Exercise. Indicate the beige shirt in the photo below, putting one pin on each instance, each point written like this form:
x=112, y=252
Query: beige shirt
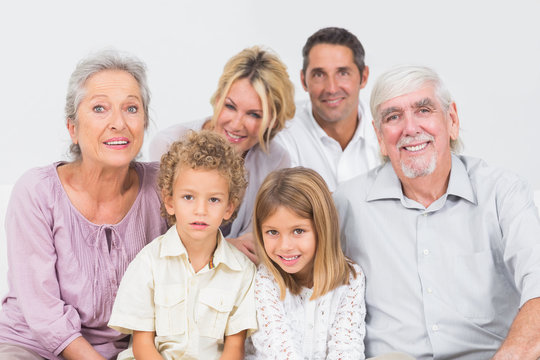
x=190, y=312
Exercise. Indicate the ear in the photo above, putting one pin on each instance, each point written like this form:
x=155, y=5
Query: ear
x=365, y=76
x=72, y=129
x=168, y=202
x=303, y=80
x=453, y=122
x=380, y=139
x=229, y=211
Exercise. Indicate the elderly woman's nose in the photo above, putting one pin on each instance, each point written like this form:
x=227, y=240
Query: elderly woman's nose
x=117, y=120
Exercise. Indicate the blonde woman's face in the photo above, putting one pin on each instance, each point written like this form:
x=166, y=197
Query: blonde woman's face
x=241, y=117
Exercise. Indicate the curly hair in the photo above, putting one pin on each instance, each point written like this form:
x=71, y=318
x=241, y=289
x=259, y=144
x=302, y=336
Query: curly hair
x=205, y=150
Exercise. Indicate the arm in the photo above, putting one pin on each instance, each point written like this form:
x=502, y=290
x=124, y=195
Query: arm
x=234, y=346
x=274, y=339
x=348, y=329
x=246, y=244
x=81, y=349
x=523, y=340
x=144, y=347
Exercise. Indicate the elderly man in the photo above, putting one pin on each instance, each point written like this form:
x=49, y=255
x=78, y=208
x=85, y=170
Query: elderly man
x=449, y=245
x=332, y=133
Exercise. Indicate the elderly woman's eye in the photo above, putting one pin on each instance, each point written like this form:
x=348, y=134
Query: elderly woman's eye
x=132, y=109
x=99, y=108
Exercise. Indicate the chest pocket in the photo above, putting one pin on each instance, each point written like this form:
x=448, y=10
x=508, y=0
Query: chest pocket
x=214, y=308
x=170, y=309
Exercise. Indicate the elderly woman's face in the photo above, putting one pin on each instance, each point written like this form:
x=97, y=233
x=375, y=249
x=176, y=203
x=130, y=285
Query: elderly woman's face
x=241, y=116
x=110, y=127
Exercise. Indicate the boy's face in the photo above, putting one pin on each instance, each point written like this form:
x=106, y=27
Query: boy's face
x=200, y=202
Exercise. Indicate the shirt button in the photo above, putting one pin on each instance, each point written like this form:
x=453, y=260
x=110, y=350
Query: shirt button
x=435, y=328
x=429, y=290
x=426, y=252
x=425, y=214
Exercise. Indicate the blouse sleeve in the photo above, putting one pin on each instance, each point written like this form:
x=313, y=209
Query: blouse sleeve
x=348, y=330
x=32, y=263
x=273, y=340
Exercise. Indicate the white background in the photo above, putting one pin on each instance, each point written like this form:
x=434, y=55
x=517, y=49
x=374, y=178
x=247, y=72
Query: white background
x=488, y=52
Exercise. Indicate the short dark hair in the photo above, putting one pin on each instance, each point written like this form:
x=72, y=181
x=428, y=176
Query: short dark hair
x=335, y=36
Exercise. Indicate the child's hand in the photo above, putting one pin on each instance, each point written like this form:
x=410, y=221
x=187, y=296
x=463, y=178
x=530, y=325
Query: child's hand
x=246, y=244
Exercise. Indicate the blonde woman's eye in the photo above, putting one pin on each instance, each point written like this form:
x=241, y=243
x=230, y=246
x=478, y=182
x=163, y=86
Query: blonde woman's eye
x=255, y=115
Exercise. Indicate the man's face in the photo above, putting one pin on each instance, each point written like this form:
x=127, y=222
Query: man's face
x=415, y=133
x=333, y=82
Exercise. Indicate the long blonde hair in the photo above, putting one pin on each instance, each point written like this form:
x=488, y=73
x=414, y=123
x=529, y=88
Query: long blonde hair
x=304, y=192
x=270, y=80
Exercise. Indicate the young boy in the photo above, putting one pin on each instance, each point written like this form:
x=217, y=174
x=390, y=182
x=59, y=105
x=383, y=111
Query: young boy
x=189, y=294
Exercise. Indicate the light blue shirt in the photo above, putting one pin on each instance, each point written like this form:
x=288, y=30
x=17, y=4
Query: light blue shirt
x=444, y=282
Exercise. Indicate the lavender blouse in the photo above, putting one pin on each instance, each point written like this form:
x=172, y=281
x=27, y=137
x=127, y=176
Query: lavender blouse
x=64, y=270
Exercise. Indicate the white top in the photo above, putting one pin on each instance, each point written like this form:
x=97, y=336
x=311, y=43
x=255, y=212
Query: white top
x=190, y=312
x=329, y=327
x=308, y=145
x=258, y=164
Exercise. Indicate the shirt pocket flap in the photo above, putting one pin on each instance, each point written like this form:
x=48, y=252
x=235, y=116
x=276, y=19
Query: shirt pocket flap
x=169, y=295
x=218, y=299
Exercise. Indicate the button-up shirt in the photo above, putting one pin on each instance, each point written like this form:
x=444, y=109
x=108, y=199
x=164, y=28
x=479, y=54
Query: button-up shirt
x=308, y=145
x=446, y=281
x=189, y=312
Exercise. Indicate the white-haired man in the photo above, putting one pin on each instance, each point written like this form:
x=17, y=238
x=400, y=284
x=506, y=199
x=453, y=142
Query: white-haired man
x=449, y=245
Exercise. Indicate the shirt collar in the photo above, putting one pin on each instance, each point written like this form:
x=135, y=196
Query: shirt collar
x=173, y=246
x=388, y=186
x=359, y=133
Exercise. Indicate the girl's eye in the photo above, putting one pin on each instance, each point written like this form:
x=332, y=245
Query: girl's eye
x=99, y=109
x=214, y=200
x=132, y=109
x=272, y=232
x=298, y=231
x=188, y=197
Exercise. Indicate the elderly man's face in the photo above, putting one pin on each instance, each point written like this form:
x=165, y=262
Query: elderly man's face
x=415, y=133
x=333, y=82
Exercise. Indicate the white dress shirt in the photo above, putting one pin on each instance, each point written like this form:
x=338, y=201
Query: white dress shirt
x=309, y=146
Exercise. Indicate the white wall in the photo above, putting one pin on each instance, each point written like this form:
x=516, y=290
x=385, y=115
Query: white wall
x=488, y=53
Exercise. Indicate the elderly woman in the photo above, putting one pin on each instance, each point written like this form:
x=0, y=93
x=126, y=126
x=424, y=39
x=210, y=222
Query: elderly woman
x=253, y=100
x=73, y=227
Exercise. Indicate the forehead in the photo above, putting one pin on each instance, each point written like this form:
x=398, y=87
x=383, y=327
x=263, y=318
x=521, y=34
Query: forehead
x=329, y=56
x=107, y=80
x=424, y=95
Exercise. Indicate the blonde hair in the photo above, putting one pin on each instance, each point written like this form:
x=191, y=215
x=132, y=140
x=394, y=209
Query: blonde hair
x=203, y=150
x=270, y=80
x=304, y=192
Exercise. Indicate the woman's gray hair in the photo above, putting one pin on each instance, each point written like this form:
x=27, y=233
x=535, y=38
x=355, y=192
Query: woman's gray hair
x=405, y=79
x=93, y=64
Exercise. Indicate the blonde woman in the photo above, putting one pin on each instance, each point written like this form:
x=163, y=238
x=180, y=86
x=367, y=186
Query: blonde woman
x=253, y=100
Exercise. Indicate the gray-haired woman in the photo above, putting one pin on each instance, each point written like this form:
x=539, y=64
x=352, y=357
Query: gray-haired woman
x=73, y=227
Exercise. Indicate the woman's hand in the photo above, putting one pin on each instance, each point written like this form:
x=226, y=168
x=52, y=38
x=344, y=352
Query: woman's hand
x=246, y=244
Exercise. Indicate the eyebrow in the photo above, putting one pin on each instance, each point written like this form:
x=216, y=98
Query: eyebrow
x=424, y=102
x=390, y=110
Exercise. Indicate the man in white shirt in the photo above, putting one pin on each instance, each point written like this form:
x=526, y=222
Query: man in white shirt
x=450, y=246
x=332, y=133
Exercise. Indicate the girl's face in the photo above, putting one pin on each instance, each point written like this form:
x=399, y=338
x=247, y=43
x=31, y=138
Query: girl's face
x=290, y=241
x=241, y=117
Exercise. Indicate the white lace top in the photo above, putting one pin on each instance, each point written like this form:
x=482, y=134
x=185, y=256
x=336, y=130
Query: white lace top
x=329, y=327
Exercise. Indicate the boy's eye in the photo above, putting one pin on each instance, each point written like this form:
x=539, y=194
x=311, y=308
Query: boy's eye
x=188, y=197
x=298, y=231
x=99, y=109
x=214, y=200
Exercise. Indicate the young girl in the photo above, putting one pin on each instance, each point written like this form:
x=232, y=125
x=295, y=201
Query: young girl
x=189, y=293
x=309, y=297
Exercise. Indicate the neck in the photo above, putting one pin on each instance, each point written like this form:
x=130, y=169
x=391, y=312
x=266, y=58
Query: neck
x=101, y=182
x=426, y=189
x=342, y=131
x=199, y=251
